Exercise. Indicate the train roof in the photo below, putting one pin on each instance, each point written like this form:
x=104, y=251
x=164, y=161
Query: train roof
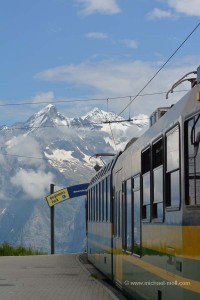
x=181, y=110
x=105, y=170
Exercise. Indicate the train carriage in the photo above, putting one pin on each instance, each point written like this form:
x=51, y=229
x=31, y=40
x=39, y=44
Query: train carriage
x=152, y=237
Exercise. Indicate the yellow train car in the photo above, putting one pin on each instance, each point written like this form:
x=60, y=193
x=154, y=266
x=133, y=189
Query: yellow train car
x=143, y=223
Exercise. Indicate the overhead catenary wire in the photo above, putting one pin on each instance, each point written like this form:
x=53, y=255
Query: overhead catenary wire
x=162, y=67
x=87, y=100
x=67, y=125
x=113, y=137
x=99, y=99
x=4, y=127
x=109, y=98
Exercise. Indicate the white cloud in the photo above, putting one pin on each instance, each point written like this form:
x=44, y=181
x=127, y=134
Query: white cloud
x=44, y=97
x=34, y=183
x=130, y=43
x=157, y=13
x=190, y=8
x=113, y=78
x=89, y=7
x=96, y=35
x=26, y=146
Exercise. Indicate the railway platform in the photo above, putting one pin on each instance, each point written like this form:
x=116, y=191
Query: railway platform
x=52, y=277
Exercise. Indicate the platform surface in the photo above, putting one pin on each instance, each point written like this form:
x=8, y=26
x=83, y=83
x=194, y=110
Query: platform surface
x=50, y=277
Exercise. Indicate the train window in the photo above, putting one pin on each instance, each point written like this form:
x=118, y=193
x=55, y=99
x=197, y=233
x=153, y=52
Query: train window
x=172, y=170
x=173, y=149
x=157, y=158
x=120, y=214
x=146, y=197
x=129, y=215
x=157, y=151
x=136, y=216
x=108, y=198
x=93, y=204
x=95, y=197
x=115, y=213
x=146, y=161
x=105, y=199
x=97, y=202
x=100, y=201
x=193, y=161
x=136, y=182
x=117, y=218
x=123, y=216
x=158, y=193
x=146, y=164
x=89, y=205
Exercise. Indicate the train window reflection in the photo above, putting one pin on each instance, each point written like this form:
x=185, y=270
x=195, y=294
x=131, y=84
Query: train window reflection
x=108, y=198
x=175, y=189
x=158, y=159
x=105, y=199
x=115, y=214
x=173, y=149
x=93, y=203
x=136, y=182
x=146, y=196
x=158, y=193
x=173, y=168
x=158, y=185
x=128, y=216
x=136, y=221
x=97, y=202
x=146, y=163
x=146, y=188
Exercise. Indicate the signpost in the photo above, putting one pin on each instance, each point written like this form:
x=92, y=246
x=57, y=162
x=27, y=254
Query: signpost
x=60, y=196
x=67, y=193
x=52, y=221
x=57, y=197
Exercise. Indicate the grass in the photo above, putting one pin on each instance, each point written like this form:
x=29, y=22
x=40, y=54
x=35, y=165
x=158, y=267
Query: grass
x=8, y=250
x=93, y=276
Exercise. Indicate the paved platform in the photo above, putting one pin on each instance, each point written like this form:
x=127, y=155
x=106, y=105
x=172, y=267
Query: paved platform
x=51, y=277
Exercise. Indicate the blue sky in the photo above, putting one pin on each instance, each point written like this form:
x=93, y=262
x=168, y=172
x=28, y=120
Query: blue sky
x=64, y=50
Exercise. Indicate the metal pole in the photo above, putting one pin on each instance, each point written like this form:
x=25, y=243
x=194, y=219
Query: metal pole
x=52, y=221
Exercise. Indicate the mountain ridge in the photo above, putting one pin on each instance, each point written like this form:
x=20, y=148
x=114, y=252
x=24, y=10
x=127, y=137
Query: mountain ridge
x=51, y=148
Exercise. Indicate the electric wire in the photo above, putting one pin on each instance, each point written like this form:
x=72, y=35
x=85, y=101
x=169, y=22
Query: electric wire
x=113, y=136
x=87, y=100
x=162, y=67
x=3, y=127
x=86, y=124
x=100, y=99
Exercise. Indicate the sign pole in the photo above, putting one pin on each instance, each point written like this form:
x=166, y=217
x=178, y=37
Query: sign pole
x=52, y=221
x=60, y=196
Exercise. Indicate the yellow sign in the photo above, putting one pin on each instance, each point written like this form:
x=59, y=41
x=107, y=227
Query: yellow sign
x=57, y=197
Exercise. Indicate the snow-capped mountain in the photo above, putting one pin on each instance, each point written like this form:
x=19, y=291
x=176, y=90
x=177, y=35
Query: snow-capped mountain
x=51, y=148
x=97, y=115
x=47, y=116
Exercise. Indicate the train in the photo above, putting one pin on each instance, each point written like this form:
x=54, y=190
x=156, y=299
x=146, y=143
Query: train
x=143, y=207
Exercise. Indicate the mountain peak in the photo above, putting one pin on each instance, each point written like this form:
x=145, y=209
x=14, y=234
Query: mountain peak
x=50, y=110
x=47, y=116
x=98, y=115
